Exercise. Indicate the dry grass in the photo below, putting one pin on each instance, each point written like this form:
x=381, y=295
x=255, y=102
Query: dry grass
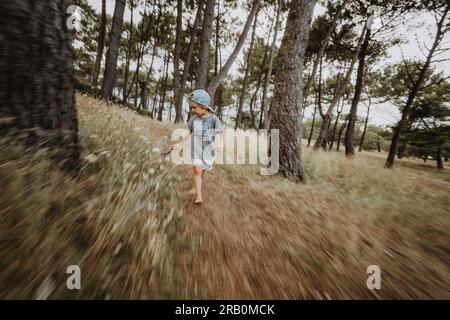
x=116, y=221
x=128, y=222
x=269, y=238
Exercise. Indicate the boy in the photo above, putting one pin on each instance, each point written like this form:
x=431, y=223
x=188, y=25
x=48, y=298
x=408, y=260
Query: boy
x=203, y=127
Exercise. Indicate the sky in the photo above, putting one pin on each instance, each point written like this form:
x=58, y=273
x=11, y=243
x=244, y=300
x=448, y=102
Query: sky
x=415, y=32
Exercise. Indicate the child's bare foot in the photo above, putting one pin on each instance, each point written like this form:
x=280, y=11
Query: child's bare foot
x=192, y=192
x=198, y=200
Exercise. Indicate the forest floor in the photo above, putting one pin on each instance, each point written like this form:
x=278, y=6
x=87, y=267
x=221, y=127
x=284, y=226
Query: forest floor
x=131, y=226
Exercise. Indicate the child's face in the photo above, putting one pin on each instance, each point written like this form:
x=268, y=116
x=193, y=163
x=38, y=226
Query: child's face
x=197, y=109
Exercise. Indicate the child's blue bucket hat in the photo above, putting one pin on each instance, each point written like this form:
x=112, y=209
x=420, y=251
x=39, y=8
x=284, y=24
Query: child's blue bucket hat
x=202, y=97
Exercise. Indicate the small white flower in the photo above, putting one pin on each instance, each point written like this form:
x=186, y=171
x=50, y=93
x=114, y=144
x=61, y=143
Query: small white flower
x=156, y=150
x=91, y=158
x=116, y=252
x=151, y=171
x=128, y=165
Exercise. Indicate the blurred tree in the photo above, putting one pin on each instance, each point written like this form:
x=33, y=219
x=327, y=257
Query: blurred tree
x=128, y=51
x=343, y=84
x=221, y=75
x=248, y=68
x=207, y=28
x=187, y=64
x=268, y=75
x=109, y=76
x=36, y=76
x=441, y=9
x=100, y=45
x=430, y=122
x=85, y=41
x=320, y=43
x=371, y=51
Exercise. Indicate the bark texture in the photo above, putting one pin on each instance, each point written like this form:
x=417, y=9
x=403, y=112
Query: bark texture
x=36, y=77
x=288, y=95
x=100, y=46
x=109, y=76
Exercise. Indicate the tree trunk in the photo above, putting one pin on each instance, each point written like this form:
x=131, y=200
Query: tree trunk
x=252, y=110
x=366, y=122
x=269, y=70
x=100, y=46
x=339, y=92
x=207, y=27
x=214, y=84
x=325, y=140
x=170, y=112
x=261, y=74
x=128, y=57
x=288, y=94
x=142, y=42
x=414, y=90
x=155, y=44
x=155, y=96
x=439, y=162
x=142, y=96
x=109, y=76
x=350, y=133
x=164, y=87
x=246, y=75
x=187, y=66
x=150, y=68
x=217, y=99
x=220, y=102
x=217, y=45
x=341, y=131
x=145, y=30
x=312, y=126
x=319, y=95
x=220, y=88
x=333, y=134
x=177, y=52
x=36, y=76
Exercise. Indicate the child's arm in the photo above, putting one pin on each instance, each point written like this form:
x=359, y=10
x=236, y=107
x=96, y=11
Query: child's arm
x=180, y=141
x=219, y=134
x=219, y=143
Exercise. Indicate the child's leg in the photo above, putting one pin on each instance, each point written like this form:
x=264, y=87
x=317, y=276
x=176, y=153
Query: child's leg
x=198, y=177
x=193, y=191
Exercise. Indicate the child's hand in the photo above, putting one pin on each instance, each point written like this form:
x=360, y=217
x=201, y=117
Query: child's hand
x=176, y=146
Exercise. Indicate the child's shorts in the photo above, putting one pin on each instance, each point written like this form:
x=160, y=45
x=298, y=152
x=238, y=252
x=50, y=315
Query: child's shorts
x=202, y=164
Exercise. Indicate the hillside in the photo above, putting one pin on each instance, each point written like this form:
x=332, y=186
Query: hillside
x=131, y=226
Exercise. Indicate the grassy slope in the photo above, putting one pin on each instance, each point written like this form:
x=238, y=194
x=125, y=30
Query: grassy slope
x=131, y=227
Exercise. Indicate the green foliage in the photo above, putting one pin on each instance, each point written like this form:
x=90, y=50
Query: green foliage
x=430, y=121
x=373, y=141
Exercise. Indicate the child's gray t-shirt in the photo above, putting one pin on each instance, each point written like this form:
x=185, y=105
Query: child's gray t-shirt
x=204, y=130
